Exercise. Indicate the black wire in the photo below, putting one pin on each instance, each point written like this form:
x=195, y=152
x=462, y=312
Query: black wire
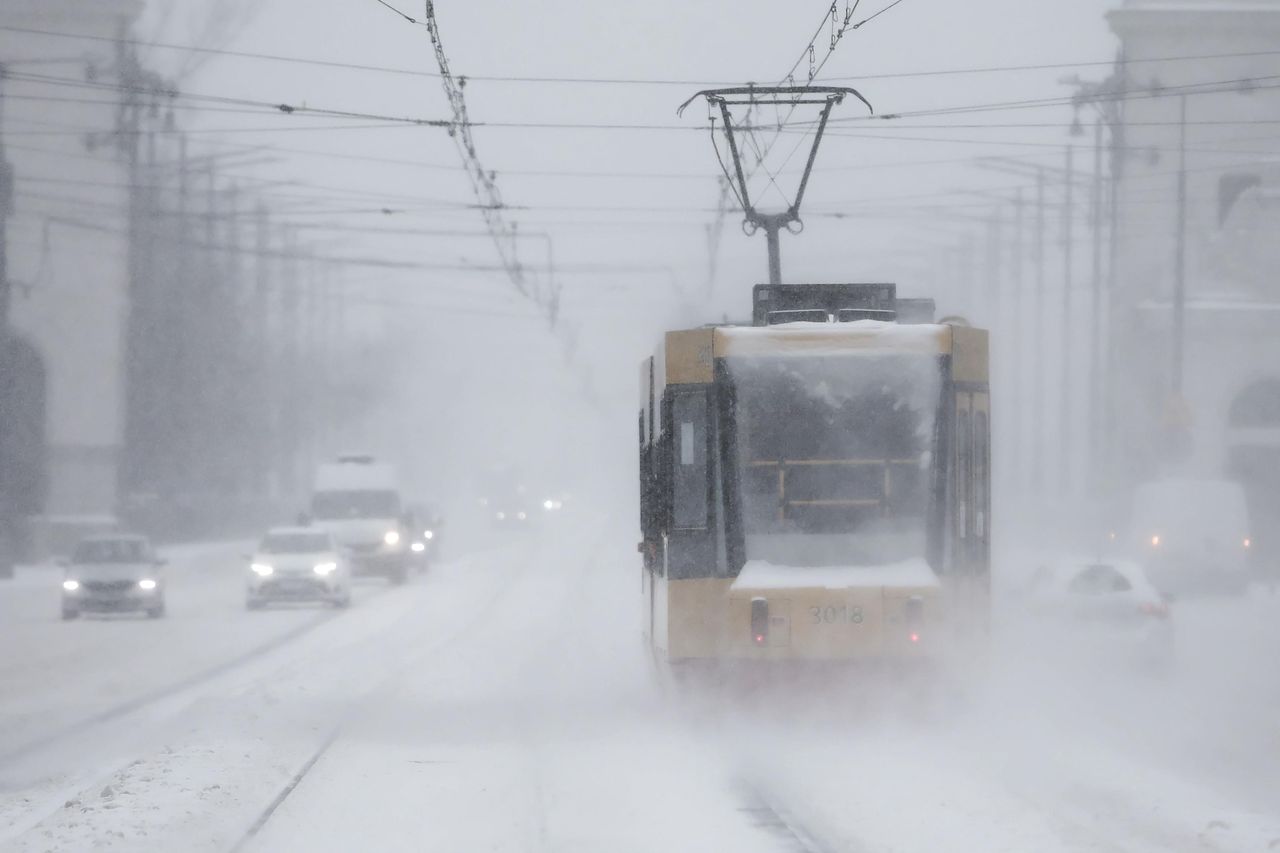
x=397, y=11
x=383, y=69
x=877, y=14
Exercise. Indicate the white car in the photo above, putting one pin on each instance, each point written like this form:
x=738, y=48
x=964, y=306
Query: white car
x=297, y=564
x=113, y=574
x=1103, y=613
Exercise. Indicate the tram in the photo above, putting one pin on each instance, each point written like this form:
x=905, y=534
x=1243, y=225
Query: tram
x=815, y=486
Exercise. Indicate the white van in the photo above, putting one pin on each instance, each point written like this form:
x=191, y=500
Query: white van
x=1192, y=535
x=356, y=499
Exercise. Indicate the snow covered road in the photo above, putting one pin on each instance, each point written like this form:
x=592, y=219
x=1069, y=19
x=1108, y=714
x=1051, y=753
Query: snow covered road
x=503, y=702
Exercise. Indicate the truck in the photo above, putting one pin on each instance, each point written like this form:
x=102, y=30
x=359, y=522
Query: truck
x=357, y=500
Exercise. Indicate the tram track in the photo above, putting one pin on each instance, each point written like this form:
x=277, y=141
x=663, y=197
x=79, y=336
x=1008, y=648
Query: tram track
x=770, y=815
x=161, y=694
x=265, y=816
x=152, y=702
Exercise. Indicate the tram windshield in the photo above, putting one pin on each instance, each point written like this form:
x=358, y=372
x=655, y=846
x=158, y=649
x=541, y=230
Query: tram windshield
x=834, y=457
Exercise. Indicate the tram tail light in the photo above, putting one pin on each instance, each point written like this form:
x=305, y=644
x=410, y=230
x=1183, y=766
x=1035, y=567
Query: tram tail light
x=760, y=621
x=914, y=617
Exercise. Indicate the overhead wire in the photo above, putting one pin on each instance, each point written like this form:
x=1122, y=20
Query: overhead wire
x=616, y=81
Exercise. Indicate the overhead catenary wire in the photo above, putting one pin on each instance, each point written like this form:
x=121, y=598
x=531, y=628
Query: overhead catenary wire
x=619, y=81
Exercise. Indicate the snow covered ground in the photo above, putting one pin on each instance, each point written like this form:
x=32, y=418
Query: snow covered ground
x=503, y=702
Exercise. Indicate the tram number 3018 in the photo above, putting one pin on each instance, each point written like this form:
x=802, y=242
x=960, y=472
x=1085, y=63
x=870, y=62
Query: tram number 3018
x=832, y=615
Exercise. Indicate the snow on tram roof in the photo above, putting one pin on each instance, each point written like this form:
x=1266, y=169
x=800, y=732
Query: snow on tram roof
x=816, y=338
x=762, y=575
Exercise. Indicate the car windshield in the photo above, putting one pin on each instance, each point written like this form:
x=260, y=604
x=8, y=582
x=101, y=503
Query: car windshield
x=834, y=457
x=111, y=551
x=294, y=543
x=355, y=504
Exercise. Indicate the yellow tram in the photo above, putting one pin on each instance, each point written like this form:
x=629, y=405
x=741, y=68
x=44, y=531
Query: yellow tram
x=816, y=486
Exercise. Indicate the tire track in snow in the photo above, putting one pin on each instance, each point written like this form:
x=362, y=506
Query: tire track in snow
x=770, y=815
x=155, y=697
x=482, y=615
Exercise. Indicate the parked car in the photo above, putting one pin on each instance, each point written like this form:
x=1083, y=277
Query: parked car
x=1103, y=613
x=298, y=564
x=117, y=573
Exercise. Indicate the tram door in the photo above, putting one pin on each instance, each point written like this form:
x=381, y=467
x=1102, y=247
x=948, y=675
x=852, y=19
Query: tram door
x=972, y=504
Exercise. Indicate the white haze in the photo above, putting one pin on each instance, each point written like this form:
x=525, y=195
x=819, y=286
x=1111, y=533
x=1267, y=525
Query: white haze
x=504, y=700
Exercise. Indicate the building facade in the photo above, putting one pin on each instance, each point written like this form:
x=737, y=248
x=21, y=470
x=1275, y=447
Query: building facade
x=1201, y=83
x=67, y=264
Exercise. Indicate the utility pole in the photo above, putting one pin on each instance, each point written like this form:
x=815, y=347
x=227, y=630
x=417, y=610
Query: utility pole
x=260, y=402
x=8, y=508
x=1038, y=376
x=6, y=205
x=1180, y=256
x=1068, y=256
x=1017, y=332
x=1095, y=306
x=991, y=290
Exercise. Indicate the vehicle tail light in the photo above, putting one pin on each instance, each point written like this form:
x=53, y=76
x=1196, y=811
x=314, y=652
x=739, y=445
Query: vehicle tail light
x=914, y=614
x=1158, y=609
x=760, y=621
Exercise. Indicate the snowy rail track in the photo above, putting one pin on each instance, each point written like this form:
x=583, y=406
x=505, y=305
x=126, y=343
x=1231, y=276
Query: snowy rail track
x=157, y=697
x=770, y=815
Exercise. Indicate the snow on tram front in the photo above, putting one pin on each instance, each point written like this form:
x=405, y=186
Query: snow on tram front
x=816, y=486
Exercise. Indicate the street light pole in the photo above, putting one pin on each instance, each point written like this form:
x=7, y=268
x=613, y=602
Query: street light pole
x=1068, y=274
x=1180, y=256
x=1038, y=377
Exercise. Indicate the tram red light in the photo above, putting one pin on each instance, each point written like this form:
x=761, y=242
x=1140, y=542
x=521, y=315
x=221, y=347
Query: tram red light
x=759, y=620
x=915, y=638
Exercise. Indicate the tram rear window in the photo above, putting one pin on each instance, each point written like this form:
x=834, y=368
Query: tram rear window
x=834, y=456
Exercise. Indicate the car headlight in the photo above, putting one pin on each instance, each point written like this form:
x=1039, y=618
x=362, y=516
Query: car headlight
x=392, y=537
x=417, y=547
x=502, y=516
x=146, y=584
x=70, y=585
x=261, y=569
x=325, y=568
x=521, y=515
x=428, y=534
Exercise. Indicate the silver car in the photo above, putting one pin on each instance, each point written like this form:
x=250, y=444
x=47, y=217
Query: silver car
x=112, y=574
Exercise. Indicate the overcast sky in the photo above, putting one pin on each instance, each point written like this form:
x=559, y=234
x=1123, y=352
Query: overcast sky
x=654, y=214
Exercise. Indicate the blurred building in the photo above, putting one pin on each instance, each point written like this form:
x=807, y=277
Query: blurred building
x=1202, y=81
x=61, y=398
